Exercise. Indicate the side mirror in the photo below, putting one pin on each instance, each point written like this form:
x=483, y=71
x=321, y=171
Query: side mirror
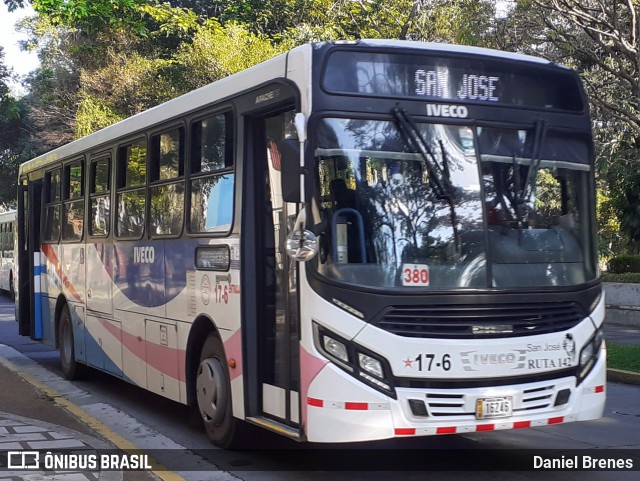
x=290, y=164
x=302, y=245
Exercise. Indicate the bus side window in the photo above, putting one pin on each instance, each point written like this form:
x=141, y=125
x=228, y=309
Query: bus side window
x=73, y=206
x=100, y=198
x=166, y=176
x=51, y=199
x=131, y=197
x=211, y=189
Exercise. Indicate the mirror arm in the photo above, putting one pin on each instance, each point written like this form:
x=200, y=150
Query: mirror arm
x=301, y=128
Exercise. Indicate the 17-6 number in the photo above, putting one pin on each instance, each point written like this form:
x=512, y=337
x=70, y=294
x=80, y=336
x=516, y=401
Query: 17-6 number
x=426, y=362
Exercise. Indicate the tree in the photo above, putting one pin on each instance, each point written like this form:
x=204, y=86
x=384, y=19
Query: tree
x=455, y=21
x=14, y=147
x=598, y=38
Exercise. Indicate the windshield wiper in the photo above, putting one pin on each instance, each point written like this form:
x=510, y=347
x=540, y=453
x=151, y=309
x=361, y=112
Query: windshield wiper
x=439, y=176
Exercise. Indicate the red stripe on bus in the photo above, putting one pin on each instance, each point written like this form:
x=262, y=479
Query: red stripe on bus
x=405, y=431
x=485, y=427
x=356, y=406
x=315, y=402
x=50, y=254
x=599, y=389
x=448, y=430
x=556, y=420
x=522, y=424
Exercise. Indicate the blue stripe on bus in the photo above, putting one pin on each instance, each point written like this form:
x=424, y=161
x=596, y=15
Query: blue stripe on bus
x=37, y=313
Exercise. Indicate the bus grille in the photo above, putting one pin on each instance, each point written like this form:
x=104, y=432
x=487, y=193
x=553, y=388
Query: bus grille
x=442, y=404
x=481, y=321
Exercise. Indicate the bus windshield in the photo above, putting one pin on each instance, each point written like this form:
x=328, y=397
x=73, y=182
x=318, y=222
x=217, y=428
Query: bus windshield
x=473, y=208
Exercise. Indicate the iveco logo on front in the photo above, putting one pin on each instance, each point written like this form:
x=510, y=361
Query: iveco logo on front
x=442, y=110
x=144, y=255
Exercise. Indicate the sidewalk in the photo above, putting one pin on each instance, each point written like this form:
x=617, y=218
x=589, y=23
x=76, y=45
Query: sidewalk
x=30, y=420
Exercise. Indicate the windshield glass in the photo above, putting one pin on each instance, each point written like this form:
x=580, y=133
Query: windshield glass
x=472, y=208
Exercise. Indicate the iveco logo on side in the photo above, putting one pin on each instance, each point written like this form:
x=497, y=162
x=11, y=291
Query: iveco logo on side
x=144, y=255
x=441, y=110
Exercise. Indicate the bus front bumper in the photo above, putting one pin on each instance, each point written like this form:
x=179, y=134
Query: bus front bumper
x=340, y=409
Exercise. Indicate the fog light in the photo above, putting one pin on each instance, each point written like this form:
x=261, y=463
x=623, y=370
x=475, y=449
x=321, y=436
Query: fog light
x=562, y=397
x=371, y=365
x=418, y=407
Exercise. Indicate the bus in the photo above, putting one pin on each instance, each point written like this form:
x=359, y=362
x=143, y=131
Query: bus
x=7, y=229
x=352, y=241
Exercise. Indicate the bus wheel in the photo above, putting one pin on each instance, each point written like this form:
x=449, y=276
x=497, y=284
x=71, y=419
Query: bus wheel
x=214, y=394
x=70, y=368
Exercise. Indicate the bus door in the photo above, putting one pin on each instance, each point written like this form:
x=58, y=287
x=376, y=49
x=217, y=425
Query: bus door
x=29, y=309
x=273, y=339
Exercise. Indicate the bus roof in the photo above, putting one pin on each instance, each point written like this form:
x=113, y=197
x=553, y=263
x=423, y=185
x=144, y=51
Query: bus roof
x=234, y=84
x=453, y=48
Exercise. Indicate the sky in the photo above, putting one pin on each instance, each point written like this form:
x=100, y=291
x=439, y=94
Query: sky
x=21, y=62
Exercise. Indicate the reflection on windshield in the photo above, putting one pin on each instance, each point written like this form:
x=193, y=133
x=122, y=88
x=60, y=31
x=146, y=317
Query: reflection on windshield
x=384, y=219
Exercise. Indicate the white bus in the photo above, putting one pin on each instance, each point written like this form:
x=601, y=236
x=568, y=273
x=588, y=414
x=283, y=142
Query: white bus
x=351, y=241
x=7, y=229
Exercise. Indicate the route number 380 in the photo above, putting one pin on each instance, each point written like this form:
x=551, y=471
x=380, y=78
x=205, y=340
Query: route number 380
x=415, y=275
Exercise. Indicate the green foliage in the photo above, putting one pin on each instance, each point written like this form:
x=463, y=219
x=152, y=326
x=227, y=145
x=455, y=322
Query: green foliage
x=94, y=114
x=14, y=145
x=127, y=85
x=218, y=51
x=172, y=21
x=455, y=21
x=623, y=264
x=610, y=239
x=627, y=278
x=93, y=16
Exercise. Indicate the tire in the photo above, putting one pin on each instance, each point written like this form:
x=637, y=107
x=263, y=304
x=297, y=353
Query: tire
x=70, y=368
x=213, y=394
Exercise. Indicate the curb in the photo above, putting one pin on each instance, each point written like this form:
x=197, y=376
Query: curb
x=627, y=377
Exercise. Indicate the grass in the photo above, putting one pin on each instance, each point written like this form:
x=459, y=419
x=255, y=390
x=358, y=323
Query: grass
x=622, y=356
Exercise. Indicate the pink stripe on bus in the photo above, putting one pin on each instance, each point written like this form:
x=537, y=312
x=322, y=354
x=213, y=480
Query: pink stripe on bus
x=165, y=359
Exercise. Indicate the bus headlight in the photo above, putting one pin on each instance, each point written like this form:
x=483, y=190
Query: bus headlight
x=335, y=348
x=589, y=355
x=358, y=361
x=371, y=365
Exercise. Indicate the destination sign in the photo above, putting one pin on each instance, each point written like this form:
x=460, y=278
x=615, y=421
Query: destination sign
x=465, y=79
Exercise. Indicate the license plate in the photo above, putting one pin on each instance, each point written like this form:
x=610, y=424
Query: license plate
x=494, y=407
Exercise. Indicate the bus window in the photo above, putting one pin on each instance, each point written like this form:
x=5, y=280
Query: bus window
x=73, y=208
x=167, y=164
x=212, y=182
x=100, y=203
x=131, y=198
x=212, y=144
x=52, y=206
